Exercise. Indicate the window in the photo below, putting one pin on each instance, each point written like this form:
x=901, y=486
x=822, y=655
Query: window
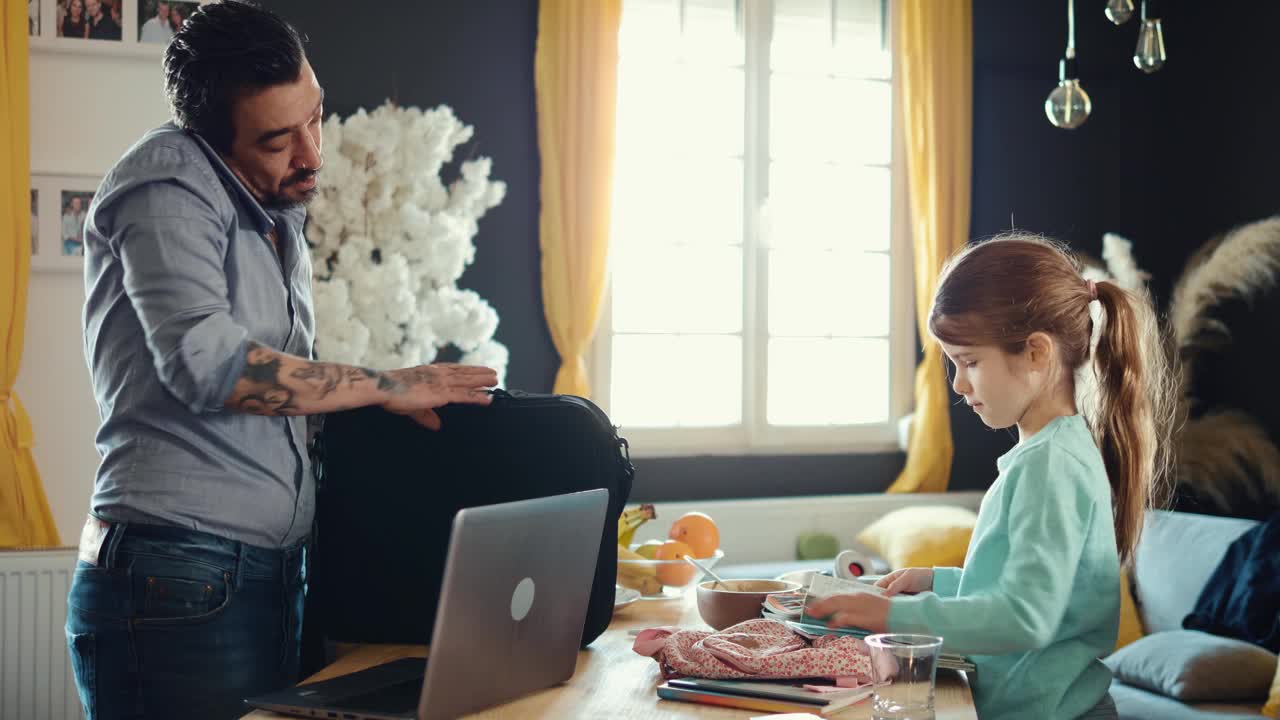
x=759, y=297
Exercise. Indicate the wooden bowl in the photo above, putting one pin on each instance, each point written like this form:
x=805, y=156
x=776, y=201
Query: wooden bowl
x=734, y=601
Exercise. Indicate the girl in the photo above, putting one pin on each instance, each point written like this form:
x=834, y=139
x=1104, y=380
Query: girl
x=73, y=23
x=1038, y=600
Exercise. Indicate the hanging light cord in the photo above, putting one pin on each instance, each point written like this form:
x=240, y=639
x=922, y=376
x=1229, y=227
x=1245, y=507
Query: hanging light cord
x=1071, y=28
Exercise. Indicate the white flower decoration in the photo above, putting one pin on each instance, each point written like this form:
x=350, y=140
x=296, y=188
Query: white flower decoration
x=389, y=240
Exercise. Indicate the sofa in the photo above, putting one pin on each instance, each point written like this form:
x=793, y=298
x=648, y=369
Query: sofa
x=1177, y=554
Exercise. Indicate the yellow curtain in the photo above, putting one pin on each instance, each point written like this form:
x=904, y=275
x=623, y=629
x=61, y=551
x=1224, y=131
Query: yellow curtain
x=576, y=82
x=934, y=54
x=25, y=520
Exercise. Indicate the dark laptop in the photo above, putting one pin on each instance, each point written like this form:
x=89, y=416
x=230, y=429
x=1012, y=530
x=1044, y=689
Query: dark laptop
x=512, y=606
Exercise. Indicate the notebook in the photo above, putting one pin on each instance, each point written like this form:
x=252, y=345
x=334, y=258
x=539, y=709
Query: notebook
x=769, y=695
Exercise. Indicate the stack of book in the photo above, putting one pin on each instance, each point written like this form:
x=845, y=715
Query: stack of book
x=775, y=696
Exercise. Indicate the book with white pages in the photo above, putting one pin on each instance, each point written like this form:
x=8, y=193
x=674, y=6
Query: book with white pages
x=823, y=586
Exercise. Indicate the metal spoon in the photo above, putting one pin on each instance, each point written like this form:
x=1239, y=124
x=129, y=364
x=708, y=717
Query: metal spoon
x=704, y=569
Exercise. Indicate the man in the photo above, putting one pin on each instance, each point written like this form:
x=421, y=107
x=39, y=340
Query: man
x=198, y=330
x=157, y=29
x=73, y=227
x=101, y=25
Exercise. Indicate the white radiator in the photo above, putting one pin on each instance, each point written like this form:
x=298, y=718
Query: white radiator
x=35, y=669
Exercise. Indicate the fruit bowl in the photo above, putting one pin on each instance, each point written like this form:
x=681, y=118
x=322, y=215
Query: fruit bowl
x=662, y=579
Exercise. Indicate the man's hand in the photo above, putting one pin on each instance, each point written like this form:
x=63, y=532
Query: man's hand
x=906, y=580
x=862, y=610
x=417, y=391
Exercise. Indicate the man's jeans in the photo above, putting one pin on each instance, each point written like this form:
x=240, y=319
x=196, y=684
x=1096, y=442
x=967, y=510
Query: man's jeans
x=177, y=623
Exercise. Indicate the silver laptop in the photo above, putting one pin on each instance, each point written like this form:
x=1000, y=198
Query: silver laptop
x=512, y=606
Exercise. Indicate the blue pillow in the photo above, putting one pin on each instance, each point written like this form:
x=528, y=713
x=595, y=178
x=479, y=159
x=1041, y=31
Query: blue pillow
x=1192, y=666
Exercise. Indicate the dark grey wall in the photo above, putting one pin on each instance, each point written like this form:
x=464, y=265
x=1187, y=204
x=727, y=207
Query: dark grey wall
x=1167, y=159
x=476, y=57
x=1141, y=166
x=706, y=477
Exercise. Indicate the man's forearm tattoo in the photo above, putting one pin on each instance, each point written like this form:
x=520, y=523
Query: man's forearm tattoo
x=416, y=376
x=386, y=384
x=262, y=391
x=325, y=378
x=266, y=388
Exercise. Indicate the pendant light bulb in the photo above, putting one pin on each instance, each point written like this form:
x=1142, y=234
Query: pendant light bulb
x=1119, y=11
x=1068, y=105
x=1149, y=56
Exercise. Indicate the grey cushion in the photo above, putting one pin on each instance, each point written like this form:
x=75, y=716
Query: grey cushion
x=1137, y=704
x=1177, y=554
x=1191, y=665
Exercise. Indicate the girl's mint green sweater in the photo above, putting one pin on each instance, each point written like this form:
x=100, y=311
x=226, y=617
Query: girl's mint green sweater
x=1038, y=600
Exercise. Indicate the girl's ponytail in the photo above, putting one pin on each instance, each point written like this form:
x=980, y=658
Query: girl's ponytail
x=1133, y=416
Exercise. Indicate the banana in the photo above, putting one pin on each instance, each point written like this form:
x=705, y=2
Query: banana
x=642, y=576
x=644, y=568
x=632, y=519
x=646, y=585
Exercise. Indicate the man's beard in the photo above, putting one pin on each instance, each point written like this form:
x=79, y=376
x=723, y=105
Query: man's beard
x=281, y=201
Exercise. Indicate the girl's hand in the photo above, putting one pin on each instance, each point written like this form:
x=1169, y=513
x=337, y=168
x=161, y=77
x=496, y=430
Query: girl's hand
x=861, y=610
x=906, y=580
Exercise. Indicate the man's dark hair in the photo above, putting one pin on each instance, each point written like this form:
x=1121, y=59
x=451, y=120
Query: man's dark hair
x=223, y=50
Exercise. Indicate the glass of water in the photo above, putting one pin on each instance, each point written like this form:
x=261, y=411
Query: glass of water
x=903, y=668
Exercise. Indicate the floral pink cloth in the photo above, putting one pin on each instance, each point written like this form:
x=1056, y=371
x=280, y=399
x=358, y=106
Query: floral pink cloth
x=759, y=649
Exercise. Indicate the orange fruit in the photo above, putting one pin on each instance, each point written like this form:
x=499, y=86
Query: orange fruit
x=697, y=531
x=681, y=574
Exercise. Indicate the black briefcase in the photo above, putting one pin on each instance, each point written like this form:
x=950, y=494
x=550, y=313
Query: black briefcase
x=388, y=490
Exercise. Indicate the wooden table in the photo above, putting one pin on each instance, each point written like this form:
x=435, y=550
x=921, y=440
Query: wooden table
x=613, y=681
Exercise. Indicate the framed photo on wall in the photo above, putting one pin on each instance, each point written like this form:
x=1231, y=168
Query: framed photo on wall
x=132, y=28
x=89, y=19
x=59, y=206
x=158, y=20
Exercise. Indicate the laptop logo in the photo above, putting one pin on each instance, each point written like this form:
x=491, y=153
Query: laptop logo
x=522, y=599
